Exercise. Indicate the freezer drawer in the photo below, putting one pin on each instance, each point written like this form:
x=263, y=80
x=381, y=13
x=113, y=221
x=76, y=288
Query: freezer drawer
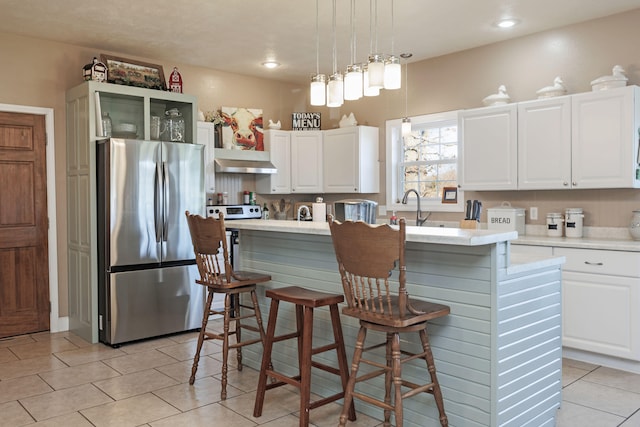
x=149, y=303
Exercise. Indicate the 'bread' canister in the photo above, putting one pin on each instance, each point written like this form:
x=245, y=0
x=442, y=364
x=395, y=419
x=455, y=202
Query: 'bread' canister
x=554, y=224
x=573, y=222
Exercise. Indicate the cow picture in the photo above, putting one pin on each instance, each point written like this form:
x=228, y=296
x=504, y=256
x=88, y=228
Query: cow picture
x=242, y=128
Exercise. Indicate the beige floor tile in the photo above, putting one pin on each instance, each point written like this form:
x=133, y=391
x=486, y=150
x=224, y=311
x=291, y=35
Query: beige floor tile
x=80, y=374
x=329, y=415
x=92, y=353
x=13, y=415
x=633, y=421
x=246, y=380
x=134, y=384
x=7, y=355
x=181, y=371
x=184, y=337
x=287, y=421
x=64, y=401
x=571, y=374
x=578, y=364
x=67, y=420
x=146, y=345
x=573, y=415
x=615, y=378
x=22, y=387
x=46, y=335
x=130, y=412
x=603, y=398
x=186, y=350
x=8, y=342
x=209, y=415
x=23, y=368
x=42, y=348
x=139, y=361
x=278, y=402
x=79, y=342
x=203, y=392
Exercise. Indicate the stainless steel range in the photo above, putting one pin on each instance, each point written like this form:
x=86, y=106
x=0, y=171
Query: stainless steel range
x=232, y=212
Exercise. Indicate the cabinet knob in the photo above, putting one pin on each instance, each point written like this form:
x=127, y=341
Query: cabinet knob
x=575, y=184
x=355, y=189
x=565, y=183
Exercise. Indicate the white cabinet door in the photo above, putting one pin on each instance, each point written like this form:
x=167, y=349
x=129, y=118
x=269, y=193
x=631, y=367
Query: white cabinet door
x=488, y=153
x=206, y=136
x=306, y=162
x=544, y=144
x=601, y=301
x=605, y=138
x=278, y=144
x=350, y=160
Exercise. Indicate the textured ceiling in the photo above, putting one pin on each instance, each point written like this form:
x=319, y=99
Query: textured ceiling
x=238, y=35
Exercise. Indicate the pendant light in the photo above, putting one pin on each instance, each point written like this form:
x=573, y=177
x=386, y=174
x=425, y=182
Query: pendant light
x=368, y=90
x=392, y=70
x=335, y=88
x=376, y=60
x=318, y=81
x=353, y=78
x=405, y=130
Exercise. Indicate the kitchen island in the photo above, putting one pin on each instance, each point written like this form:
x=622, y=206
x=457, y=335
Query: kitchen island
x=498, y=354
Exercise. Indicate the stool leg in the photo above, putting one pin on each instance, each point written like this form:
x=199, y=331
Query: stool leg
x=397, y=378
x=431, y=366
x=203, y=329
x=342, y=354
x=225, y=345
x=238, y=330
x=266, y=358
x=355, y=363
x=263, y=335
x=388, y=379
x=305, y=365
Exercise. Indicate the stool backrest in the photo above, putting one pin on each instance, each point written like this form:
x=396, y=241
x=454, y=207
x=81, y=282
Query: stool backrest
x=208, y=236
x=366, y=255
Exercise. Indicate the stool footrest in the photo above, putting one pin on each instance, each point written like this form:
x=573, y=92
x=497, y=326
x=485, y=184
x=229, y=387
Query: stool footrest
x=282, y=379
x=324, y=401
x=286, y=337
x=326, y=368
x=324, y=348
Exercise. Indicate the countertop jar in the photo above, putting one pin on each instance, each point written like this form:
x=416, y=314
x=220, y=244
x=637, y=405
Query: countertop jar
x=554, y=224
x=634, y=226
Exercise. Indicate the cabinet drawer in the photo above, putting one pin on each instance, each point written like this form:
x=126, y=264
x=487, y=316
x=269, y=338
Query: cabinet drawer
x=614, y=263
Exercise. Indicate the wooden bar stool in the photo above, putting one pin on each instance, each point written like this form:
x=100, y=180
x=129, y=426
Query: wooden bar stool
x=366, y=256
x=305, y=301
x=209, y=242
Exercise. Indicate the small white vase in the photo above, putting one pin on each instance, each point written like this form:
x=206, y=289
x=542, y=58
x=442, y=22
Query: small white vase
x=634, y=226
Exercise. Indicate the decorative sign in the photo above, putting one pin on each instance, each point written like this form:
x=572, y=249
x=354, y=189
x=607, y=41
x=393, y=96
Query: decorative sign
x=305, y=121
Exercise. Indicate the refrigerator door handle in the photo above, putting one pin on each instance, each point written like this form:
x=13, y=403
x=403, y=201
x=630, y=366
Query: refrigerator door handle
x=157, y=201
x=165, y=214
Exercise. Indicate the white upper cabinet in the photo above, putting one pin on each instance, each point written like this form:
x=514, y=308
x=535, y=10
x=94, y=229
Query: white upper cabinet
x=488, y=153
x=278, y=144
x=207, y=136
x=544, y=144
x=306, y=162
x=351, y=160
x=605, y=138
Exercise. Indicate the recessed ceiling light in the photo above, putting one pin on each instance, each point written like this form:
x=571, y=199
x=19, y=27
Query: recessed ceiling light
x=270, y=64
x=507, y=23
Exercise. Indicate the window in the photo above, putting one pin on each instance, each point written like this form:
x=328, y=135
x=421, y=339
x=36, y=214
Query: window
x=425, y=161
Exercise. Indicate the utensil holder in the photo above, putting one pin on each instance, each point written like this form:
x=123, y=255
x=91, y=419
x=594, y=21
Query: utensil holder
x=471, y=224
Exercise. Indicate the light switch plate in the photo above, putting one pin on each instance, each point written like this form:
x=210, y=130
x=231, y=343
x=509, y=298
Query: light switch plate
x=533, y=213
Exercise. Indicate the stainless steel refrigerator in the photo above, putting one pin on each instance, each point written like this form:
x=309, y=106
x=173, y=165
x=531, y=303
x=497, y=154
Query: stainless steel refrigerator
x=146, y=265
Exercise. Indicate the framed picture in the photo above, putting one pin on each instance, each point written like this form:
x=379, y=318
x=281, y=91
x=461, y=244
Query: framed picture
x=130, y=72
x=450, y=195
x=242, y=128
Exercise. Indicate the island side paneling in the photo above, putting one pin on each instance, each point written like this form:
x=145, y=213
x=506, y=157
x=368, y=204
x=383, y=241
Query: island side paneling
x=465, y=344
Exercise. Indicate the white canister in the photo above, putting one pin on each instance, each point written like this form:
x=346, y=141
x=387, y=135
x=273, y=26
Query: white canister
x=573, y=222
x=319, y=209
x=554, y=224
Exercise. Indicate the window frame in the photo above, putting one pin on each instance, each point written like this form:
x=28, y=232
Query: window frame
x=393, y=139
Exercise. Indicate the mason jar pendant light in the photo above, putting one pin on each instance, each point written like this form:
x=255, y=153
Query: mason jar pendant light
x=353, y=77
x=376, y=60
x=318, y=81
x=392, y=70
x=335, y=88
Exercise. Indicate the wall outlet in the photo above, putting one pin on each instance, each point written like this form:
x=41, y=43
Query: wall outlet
x=533, y=214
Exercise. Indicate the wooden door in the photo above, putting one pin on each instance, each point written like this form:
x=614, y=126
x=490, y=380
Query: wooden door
x=24, y=270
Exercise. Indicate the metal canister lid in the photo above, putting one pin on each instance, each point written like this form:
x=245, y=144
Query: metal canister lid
x=574, y=210
x=554, y=215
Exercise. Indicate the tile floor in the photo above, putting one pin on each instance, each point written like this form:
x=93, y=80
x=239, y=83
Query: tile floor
x=60, y=380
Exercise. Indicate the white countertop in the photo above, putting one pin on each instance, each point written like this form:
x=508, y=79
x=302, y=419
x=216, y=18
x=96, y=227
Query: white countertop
x=580, y=243
x=438, y=235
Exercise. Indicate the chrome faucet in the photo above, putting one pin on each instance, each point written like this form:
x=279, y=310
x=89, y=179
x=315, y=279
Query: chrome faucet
x=307, y=215
x=419, y=221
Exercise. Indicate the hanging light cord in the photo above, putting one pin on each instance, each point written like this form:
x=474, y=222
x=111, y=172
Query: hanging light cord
x=392, y=29
x=317, y=40
x=353, y=32
x=335, y=58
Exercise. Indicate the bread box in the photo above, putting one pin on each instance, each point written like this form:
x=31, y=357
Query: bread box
x=506, y=218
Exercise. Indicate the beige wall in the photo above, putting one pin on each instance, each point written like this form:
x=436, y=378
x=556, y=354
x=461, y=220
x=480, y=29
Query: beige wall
x=38, y=73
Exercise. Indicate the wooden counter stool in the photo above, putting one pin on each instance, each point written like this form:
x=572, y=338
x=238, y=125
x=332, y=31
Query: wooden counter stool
x=305, y=301
x=366, y=256
x=209, y=240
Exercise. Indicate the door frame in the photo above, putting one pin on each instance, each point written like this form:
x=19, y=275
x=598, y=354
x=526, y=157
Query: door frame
x=57, y=323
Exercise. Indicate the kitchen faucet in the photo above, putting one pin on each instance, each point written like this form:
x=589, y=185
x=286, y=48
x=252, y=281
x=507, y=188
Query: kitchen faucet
x=308, y=214
x=419, y=221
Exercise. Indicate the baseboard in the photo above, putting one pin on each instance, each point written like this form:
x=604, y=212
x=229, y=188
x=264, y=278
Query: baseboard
x=60, y=324
x=602, y=360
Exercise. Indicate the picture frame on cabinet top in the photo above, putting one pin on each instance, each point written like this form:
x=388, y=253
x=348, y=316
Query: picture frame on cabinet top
x=131, y=72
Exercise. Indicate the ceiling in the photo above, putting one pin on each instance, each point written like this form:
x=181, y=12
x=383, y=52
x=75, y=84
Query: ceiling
x=238, y=35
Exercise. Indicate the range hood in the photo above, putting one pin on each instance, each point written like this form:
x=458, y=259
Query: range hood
x=243, y=161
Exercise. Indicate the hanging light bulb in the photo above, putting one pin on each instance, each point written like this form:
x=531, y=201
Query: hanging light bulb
x=353, y=77
x=318, y=81
x=335, y=88
x=392, y=70
x=405, y=129
x=367, y=89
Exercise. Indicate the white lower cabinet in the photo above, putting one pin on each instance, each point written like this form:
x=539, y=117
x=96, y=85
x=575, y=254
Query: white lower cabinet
x=601, y=301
